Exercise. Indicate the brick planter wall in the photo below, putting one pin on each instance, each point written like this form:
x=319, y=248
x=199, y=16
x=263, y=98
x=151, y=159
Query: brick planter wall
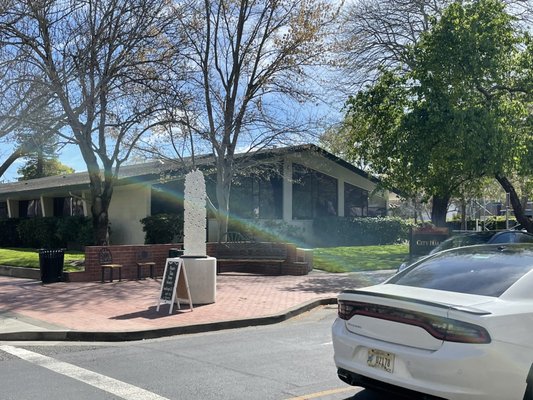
x=127, y=255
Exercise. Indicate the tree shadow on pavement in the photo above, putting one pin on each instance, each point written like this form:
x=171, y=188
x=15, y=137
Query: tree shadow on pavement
x=334, y=283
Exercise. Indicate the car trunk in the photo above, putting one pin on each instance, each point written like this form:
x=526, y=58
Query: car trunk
x=407, y=316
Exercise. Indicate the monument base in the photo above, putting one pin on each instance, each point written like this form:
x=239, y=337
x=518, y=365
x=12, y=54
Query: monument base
x=202, y=277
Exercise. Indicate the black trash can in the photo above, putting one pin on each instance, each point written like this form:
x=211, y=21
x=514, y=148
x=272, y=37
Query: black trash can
x=172, y=253
x=51, y=265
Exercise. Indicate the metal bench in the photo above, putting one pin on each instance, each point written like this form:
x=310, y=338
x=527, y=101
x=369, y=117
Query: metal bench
x=106, y=263
x=144, y=260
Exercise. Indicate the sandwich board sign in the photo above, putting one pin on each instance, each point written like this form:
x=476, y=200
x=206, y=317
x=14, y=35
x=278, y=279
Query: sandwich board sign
x=174, y=286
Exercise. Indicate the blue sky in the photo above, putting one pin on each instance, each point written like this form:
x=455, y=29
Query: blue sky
x=70, y=155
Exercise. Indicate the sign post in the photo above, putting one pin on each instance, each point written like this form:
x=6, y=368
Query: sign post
x=174, y=285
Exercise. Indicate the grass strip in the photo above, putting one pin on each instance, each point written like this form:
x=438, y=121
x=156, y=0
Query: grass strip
x=30, y=258
x=360, y=258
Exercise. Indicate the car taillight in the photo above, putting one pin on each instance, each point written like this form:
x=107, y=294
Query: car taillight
x=442, y=328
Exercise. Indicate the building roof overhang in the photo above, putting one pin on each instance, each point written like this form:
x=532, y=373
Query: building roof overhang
x=153, y=171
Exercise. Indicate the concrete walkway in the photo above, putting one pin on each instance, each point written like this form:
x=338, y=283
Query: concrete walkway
x=126, y=310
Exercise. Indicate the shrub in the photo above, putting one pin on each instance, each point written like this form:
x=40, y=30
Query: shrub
x=48, y=232
x=499, y=222
x=38, y=232
x=495, y=223
x=269, y=230
x=75, y=231
x=341, y=231
x=163, y=228
x=9, y=236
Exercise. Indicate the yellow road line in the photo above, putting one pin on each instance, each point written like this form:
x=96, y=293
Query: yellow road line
x=323, y=393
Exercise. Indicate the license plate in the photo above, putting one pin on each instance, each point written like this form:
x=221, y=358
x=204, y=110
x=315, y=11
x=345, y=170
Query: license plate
x=380, y=360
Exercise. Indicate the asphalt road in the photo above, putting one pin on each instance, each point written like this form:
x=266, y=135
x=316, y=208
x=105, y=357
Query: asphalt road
x=292, y=360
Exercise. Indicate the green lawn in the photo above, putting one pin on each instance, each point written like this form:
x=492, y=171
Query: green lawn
x=360, y=258
x=333, y=259
x=30, y=258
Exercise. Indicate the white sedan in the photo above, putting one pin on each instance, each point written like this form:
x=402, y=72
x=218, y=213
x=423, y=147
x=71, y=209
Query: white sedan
x=456, y=325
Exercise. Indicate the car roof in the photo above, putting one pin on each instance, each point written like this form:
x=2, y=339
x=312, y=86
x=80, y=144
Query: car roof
x=485, y=236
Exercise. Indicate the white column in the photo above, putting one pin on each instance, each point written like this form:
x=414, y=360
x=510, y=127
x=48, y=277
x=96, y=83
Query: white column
x=287, y=190
x=12, y=208
x=340, y=197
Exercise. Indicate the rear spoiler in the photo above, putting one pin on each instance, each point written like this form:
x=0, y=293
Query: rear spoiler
x=468, y=310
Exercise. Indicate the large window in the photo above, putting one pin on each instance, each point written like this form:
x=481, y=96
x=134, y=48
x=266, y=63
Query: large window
x=68, y=206
x=313, y=194
x=257, y=196
x=167, y=198
x=355, y=201
x=30, y=208
x=3, y=209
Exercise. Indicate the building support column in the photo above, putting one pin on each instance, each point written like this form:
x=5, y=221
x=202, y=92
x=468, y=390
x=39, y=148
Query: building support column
x=12, y=208
x=340, y=197
x=287, y=190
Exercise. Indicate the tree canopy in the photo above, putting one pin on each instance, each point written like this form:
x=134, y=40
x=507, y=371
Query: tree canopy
x=101, y=62
x=248, y=70
x=459, y=112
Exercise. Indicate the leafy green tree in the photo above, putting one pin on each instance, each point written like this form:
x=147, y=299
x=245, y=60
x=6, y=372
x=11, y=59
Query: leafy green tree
x=39, y=167
x=460, y=112
x=42, y=158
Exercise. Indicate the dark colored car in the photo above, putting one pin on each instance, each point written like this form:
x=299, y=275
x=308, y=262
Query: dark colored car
x=473, y=238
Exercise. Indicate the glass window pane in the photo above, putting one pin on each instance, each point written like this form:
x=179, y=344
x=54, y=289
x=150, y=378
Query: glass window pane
x=314, y=194
x=355, y=201
x=167, y=198
x=3, y=209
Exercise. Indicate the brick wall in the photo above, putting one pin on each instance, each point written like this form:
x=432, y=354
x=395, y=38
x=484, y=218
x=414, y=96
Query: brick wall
x=128, y=255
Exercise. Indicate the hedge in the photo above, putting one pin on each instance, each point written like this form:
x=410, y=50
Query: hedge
x=342, y=231
x=46, y=232
x=9, y=236
x=163, y=228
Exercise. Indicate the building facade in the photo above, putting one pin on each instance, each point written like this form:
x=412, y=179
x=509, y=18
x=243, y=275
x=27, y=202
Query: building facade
x=292, y=185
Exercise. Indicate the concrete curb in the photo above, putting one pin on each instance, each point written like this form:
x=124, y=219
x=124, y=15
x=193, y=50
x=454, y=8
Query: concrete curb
x=124, y=336
x=20, y=272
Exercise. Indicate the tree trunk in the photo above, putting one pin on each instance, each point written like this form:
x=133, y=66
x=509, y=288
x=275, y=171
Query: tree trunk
x=223, y=194
x=518, y=210
x=100, y=218
x=463, y=214
x=439, y=209
x=101, y=190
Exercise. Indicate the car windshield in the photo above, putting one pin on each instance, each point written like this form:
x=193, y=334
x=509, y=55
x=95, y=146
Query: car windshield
x=488, y=271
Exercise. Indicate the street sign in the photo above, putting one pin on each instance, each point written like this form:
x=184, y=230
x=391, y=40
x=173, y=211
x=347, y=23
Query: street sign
x=424, y=239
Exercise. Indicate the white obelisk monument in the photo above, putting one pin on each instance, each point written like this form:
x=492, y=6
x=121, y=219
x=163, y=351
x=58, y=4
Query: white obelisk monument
x=201, y=269
x=194, y=227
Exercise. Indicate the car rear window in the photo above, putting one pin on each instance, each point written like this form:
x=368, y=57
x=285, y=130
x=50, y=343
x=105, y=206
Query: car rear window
x=487, y=272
